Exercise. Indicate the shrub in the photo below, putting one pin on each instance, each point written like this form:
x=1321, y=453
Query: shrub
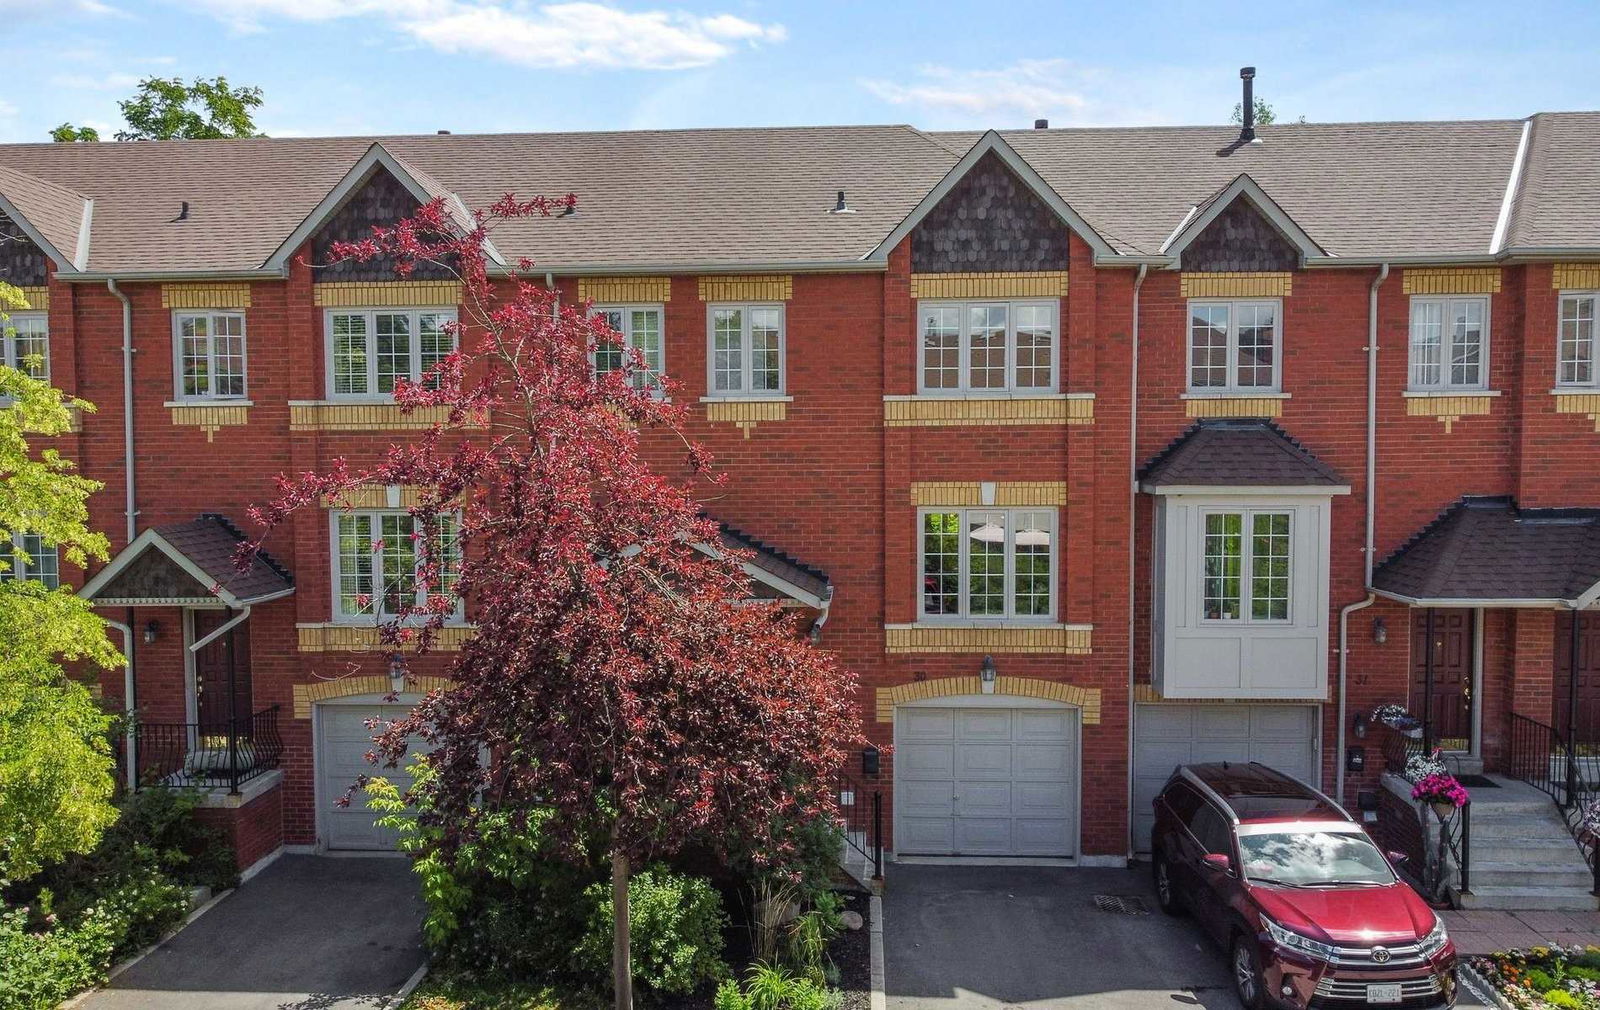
x=1563, y=999
x=1540, y=979
x=773, y=988
x=675, y=931
x=44, y=968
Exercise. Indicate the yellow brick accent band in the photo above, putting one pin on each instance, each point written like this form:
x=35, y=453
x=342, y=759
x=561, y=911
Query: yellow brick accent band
x=1085, y=698
x=1015, y=284
x=384, y=294
x=1058, y=639
x=934, y=412
x=1275, y=284
x=1448, y=409
x=307, y=695
x=364, y=638
x=747, y=288
x=1575, y=276
x=746, y=413
x=362, y=417
x=37, y=298
x=376, y=496
x=624, y=289
x=1451, y=281
x=1049, y=493
x=205, y=296
x=1234, y=406
x=210, y=418
x=1580, y=403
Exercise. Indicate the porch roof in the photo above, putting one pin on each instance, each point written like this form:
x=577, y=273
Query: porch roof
x=1214, y=454
x=775, y=573
x=188, y=564
x=1485, y=551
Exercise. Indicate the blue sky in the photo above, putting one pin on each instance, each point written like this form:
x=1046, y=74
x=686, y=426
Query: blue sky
x=408, y=66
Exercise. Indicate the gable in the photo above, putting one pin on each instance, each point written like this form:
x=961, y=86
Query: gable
x=153, y=577
x=989, y=221
x=381, y=201
x=1241, y=239
x=22, y=263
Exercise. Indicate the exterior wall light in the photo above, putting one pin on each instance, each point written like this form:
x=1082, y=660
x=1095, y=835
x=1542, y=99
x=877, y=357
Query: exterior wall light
x=397, y=672
x=1360, y=727
x=987, y=674
x=152, y=631
x=1380, y=630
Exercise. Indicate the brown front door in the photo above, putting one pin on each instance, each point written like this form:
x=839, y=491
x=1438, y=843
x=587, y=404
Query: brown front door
x=1588, y=723
x=1441, y=675
x=211, y=673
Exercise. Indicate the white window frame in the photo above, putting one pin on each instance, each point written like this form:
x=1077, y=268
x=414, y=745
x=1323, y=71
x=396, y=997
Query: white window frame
x=1593, y=360
x=8, y=340
x=1010, y=578
x=211, y=353
x=1232, y=386
x=1246, y=560
x=1445, y=326
x=336, y=573
x=744, y=392
x=371, y=313
x=963, y=386
x=650, y=378
x=18, y=572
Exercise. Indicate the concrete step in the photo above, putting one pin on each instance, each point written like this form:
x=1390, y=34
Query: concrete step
x=1570, y=899
x=1497, y=873
x=1540, y=807
x=1541, y=851
x=1526, y=826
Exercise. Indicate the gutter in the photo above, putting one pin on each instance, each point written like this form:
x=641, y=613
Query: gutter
x=1370, y=494
x=231, y=623
x=815, y=634
x=99, y=276
x=1133, y=504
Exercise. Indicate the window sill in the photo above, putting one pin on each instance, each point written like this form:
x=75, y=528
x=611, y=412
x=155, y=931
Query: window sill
x=212, y=401
x=1019, y=394
x=1575, y=391
x=752, y=398
x=1242, y=394
x=1424, y=394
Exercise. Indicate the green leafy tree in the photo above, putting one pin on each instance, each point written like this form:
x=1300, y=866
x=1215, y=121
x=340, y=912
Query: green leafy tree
x=1265, y=114
x=165, y=108
x=55, y=759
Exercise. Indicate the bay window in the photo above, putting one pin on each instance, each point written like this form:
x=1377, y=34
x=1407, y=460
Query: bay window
x=1575, y=364
x=370, y=350
x=987, y=347
x=27, y=556
x=746, y=350
x=1245, y=566
x=640, y=329
x=988, y=563
x=1233, y=346
x=209, y=349
x=377, y=561
x=1449, y=343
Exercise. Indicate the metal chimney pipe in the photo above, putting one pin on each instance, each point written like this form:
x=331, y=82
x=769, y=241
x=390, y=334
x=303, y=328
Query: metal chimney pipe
x=1041, y=124
x=1247, y=131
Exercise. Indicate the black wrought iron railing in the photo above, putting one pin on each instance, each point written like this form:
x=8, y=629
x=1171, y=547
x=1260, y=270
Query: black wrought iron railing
x=862, y=813
x=206, y=755
x=1544, y=758
x=1456, y=832
x=1398, y=748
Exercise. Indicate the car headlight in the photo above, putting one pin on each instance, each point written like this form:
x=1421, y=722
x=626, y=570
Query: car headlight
x=1291, y=940
x=1434, y=942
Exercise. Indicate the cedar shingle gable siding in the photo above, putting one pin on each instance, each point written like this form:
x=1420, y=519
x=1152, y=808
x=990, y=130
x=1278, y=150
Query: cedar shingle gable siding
x=380, y=202
x=21, y=262
x=989, y=221
x=1241, y=239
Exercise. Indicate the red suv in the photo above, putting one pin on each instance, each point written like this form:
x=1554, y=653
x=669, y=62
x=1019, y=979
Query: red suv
x=1310, y=911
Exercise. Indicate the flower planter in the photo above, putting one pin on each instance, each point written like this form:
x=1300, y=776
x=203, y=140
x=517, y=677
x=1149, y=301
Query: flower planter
x=1443, y=809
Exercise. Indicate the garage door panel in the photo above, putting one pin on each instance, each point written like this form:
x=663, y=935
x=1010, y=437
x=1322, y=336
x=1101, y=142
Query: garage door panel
x=1012, y=770
x=1174, y=722
x=1282, y=722
x=343, y=740
x=1289, y=758
x=1222, y=722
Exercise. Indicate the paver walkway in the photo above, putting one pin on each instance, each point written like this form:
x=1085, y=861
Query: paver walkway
x=1484, y=932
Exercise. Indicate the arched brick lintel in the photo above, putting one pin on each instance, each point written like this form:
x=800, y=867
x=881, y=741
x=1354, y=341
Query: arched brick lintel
x=1087, y=699
x=307, y=695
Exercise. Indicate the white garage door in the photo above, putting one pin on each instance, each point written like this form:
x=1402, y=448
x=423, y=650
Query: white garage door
x=1282, y=736
x=342, y=745
x=986, y=781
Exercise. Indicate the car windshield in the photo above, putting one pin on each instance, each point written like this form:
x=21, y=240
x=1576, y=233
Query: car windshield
x=1313, y=858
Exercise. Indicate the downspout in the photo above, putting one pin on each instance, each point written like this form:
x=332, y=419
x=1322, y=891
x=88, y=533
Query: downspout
x=1371, y=506
x=129, y=692
x=1133, y=505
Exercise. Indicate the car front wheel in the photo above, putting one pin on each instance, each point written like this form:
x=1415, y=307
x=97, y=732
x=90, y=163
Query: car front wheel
x=1247, y=974
x=1166, y=889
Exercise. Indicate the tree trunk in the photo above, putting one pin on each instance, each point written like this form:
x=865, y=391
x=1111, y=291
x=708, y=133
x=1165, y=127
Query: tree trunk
x=621, y=958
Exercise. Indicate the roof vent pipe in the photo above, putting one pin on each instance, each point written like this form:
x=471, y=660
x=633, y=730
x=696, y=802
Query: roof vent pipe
x=1247, y=117
x=443, y=133
x=840, y=207
x=1041, y=124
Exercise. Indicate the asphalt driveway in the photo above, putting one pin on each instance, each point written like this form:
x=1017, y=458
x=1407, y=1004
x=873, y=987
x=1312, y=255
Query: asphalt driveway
x=308, y=933
x=972, y=938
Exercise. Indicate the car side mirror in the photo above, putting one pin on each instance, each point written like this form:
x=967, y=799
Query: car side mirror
x=1219, y=861
x=1397, y=858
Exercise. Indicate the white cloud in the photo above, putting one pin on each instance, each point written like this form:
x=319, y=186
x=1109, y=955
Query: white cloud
x=40, y=8
x=97, y=82
x=1063, y=91
x=560, y=35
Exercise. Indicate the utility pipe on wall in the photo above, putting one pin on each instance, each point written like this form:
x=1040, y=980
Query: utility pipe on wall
x=127, y=406
x=1371, y=507
x=1133, y=506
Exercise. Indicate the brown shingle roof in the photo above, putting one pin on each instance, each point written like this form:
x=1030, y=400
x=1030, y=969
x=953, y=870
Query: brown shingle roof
x=55, y=211
x=1485, y=548
x=776, y=563
x=1558, y=202
x=1234, y=452
x=211, y=543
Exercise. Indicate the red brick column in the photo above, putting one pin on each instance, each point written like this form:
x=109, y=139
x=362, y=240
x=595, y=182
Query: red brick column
x=1533, y=664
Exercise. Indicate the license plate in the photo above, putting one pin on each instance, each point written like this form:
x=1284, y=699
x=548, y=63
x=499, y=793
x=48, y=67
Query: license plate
x=1387, y=992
